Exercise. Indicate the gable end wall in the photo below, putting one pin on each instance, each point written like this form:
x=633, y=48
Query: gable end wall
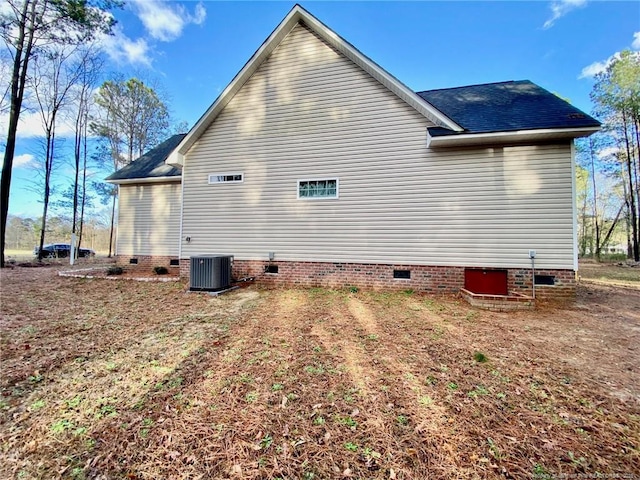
x=308, y=112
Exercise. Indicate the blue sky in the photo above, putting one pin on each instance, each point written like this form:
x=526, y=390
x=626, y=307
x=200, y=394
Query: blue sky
x=194, y=49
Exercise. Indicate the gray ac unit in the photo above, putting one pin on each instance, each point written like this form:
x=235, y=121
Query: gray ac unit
x=210, y=272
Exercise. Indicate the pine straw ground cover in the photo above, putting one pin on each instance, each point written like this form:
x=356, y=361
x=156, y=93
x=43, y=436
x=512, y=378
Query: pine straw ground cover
x=128, y=380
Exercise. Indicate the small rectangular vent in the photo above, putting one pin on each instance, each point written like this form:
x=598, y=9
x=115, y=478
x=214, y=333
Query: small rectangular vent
x=544, y=280
x=226, y=178
x=133, y=261
x=174, y=262
x=403, y=274
x=271, y=269
x=210, y=272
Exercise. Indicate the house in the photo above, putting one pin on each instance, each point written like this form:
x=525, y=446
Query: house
x=317, y=167
x=149, y=201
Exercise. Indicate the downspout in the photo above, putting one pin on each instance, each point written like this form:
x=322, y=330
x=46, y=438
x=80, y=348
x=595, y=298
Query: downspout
x=532, y=256
x=181, y=216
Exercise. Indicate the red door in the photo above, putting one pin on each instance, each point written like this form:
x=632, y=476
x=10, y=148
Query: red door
x=486, y=281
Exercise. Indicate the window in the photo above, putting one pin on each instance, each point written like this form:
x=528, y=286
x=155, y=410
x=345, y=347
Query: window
x=311, y=189
x=226, y=178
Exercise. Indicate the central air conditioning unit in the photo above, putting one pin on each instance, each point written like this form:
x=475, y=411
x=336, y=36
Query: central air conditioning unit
x=210, y=273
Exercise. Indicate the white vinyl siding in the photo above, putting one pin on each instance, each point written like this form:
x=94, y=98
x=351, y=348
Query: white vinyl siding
x=149, y=219
x=308, y=112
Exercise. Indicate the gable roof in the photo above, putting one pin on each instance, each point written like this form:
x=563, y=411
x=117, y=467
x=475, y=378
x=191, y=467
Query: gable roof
x=151, y=166
x=515, y=106
x=295, y=16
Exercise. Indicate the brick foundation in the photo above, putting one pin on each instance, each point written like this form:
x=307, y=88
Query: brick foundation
x=520, y=281
x=148, y=261
x=431, y=279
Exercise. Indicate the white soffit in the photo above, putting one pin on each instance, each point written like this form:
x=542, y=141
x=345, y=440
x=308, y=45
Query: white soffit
x=129, y=181
x=459, y=140
x=295, y=16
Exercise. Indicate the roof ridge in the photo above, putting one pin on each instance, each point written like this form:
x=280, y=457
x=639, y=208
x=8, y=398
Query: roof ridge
x=150, y=166
x=158, y=147
x=473, y=85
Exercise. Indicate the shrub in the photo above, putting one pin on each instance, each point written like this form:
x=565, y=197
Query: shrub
x=115, y=271
x=160, y=270
x=480, y=357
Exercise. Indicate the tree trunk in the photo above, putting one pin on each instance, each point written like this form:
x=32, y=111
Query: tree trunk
x=596, y=222
x=632, y=192
x=76, y=153
x=635, y=122
x=84, y=183
x=613, y=225
x=47, y=190
x=583, y=241
x=24, y=46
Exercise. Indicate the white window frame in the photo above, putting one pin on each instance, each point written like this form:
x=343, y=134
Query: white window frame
x=223, y=182
x=320, y=179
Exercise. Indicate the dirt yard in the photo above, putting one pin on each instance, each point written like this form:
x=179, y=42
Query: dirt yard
x=107, y=379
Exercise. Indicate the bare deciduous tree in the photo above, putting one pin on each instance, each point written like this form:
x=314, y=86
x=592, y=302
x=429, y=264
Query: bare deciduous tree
x=25, y=26
x=56, y=71
x=617, y=98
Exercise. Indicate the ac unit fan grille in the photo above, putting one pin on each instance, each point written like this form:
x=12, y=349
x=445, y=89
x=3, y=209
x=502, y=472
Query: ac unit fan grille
x=210, y=272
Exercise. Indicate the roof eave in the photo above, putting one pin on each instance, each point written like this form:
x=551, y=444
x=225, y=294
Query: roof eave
x=296, y=15
x=519, y=136
x=128, y=181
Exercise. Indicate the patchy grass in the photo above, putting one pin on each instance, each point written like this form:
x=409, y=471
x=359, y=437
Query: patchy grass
x=145, y=381
x=620, y=273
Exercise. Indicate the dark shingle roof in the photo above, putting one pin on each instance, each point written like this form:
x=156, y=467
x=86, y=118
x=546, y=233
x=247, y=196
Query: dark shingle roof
x=504, y=107
x=151, y=164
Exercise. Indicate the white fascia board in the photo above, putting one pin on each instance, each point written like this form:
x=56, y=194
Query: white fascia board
x=295, y=16
x=177, y=156
x=506, y=137
x=129, y=181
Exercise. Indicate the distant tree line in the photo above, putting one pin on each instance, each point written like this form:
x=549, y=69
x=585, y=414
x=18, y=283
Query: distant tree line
x=56, y=70
x=608, y=165
x=23, y=233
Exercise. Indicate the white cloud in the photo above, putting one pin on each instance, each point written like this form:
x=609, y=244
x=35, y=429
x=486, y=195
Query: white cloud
x=560, y=8
x=23, y=160
x=20, y=161
x=5, y=8
x=595, y=68
x=201, y=14
x=592, y=70
x=30, y=126
x=122, y=49
x=162, y=21
x=165, y=22
x=607, y=152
